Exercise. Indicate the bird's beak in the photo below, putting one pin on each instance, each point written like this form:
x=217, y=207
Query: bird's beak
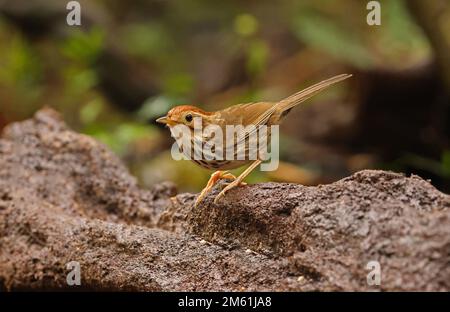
x=162, y=120
x=165, y=120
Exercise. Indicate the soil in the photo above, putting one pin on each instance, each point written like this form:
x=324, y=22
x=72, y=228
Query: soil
x=65, y=197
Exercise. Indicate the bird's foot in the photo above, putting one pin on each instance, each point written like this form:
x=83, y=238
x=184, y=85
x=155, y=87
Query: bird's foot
x=229, y=186
x=215, y=177
x=238, y=181
x=225, y=184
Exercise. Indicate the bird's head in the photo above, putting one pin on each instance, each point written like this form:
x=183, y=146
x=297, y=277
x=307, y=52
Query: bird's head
x=184, y=114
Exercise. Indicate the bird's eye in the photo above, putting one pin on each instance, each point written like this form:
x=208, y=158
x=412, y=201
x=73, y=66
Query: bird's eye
x=188, y=117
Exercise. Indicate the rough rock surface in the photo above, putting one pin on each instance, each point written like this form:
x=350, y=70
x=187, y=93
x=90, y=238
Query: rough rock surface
x=64, y=197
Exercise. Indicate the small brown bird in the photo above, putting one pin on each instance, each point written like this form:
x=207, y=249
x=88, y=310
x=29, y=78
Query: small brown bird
x=256, y=113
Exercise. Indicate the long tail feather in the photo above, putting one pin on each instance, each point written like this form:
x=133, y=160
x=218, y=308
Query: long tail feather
x=295, y=99
x=307, y=93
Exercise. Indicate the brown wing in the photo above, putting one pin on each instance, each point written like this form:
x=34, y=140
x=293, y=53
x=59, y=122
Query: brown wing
x=259, y=113
x=245, y=114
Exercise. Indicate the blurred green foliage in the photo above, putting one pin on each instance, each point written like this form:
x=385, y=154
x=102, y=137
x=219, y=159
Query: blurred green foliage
x=245, y=24
x=358, y=44
x=325, y=34
x=196, y=52
x=121, y=136
x=83, y=47
x=20, y=65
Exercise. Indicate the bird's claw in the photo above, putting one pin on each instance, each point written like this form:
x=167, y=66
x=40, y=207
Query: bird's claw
x=216, y=176
x=219, y=196
x=227, y=188
x=203, y=194
x=225, y=184
x=200, y=198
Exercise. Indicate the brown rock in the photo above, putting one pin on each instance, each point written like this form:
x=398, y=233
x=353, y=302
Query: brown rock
x=64, y=197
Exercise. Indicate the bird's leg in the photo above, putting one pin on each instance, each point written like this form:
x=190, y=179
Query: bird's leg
x=216, y=176
x=238, y=180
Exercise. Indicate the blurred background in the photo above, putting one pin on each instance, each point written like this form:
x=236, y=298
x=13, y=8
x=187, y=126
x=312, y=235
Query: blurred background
x=131, y=61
